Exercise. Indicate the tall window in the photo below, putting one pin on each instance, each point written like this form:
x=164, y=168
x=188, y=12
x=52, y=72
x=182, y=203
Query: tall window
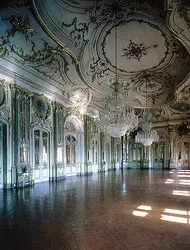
x=41, y=148
x=22, y=129
x=95, y=151
x=136, y=152
x=118, y=152
x=158, y=152
x=70, y=149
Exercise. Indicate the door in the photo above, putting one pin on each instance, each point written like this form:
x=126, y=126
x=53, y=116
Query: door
x=41, y=156
x=3, y=154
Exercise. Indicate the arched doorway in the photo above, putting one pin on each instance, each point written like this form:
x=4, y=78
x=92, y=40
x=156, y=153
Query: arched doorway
x=3, y=154
x=41, y=149
x=74, y=146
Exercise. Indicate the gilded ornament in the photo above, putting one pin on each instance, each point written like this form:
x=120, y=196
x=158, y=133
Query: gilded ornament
x=41, y=106
x=20, y=24
x=2, y=95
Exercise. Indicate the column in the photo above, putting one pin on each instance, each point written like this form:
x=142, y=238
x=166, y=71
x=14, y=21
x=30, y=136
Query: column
x=112, y=153
x=166, y=154
x=150, y=156
x=122, y=153
x=14, y=135
x=85, y=145
x=101, y=153
x=172, y=162
x=127, y=147
x=54, y=140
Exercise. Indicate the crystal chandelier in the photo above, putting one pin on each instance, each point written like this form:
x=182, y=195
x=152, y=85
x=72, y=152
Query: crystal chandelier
x=117, y=119
x=146, y=136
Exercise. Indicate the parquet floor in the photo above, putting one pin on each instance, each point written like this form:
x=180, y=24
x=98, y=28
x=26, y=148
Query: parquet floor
x=135, y=209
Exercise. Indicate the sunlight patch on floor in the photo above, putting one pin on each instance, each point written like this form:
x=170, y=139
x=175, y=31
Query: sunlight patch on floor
x=174, y=219
x=144, y=207
x=175, y=211
x=140, y=213
x=180, y=192
x=169, y=181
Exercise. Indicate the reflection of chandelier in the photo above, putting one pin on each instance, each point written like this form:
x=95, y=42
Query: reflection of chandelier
x=118, y=118
x=146, y=136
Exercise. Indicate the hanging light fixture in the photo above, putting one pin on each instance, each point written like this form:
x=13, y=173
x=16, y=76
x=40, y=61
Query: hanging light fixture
x=147, y=136
x=118, y=119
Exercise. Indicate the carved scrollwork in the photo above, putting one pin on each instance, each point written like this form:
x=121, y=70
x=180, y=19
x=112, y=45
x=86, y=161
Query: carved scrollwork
x=2, y=96
x=79, y=96
x=184, y=12
x=20, y=24
x=181, y=107
x=4, y=109
x=41, y=107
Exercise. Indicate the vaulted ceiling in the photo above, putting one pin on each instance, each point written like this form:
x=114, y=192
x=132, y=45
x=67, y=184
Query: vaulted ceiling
x=67, y=48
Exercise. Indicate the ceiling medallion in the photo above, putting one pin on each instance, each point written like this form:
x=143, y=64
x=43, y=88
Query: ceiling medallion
x=136, y=50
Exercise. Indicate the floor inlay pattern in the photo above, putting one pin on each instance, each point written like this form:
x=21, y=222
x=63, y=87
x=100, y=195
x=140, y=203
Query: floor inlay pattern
x=135, y=209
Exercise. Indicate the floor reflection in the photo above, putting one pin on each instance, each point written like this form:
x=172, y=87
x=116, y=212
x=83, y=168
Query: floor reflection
x=101, y=211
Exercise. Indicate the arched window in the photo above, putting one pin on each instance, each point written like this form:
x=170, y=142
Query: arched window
x=70, y=142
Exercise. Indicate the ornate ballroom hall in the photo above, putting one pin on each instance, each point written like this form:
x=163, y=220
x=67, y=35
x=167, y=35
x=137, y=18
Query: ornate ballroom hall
x=95, y=113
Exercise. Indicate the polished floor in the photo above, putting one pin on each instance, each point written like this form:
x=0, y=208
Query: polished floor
x=132, y=209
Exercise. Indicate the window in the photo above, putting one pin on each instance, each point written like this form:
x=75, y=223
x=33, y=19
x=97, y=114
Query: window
x=41, y=148
x=59, y=154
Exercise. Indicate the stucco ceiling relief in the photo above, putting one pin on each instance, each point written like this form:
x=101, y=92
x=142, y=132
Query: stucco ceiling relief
x=179, y=20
